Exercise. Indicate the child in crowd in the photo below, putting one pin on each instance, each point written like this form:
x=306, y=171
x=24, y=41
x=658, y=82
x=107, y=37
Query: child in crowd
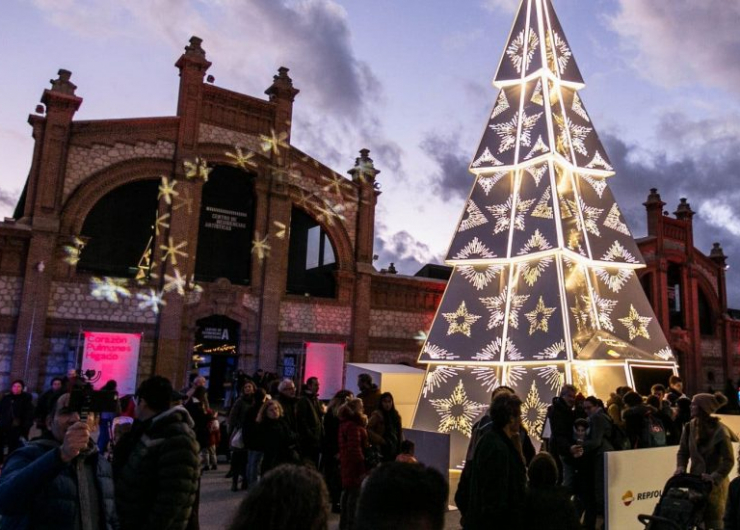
x=407, y=452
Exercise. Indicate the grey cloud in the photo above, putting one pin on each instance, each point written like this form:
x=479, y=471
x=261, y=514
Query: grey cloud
x=8, y=199
x=453, y=177
x=402, y=249
x=682, y=41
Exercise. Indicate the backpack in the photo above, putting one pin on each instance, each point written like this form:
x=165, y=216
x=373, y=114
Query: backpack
x=653, y=432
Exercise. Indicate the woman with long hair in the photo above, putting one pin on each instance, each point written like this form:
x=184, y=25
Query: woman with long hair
x=237, y=415
x=330, y=449
x=707, y=443
x=275, y=438
x=353, y=441
x=384, y=428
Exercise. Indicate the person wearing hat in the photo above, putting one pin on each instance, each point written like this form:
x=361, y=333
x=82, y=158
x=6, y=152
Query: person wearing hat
x=708, y=444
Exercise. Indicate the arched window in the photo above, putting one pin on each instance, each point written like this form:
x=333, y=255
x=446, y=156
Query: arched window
x=311, y=258
x=706, y=319
x=675, y=294
x=119, y=227
x=226, y=227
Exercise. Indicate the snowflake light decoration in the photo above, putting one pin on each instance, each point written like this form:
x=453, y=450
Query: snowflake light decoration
x=109, y=289
x=461, y=320
x=176, y=283
x=281, y=229
x=507, y=131
x=486, y=156
x=457, y=412
x=438, y=354
x=152, y=300
x=241, y=159
x=520, y=57
x=497, y=307
x=614, y=220
x=571, y=135
x=539, y=317
x=534, y=411
x=487, y=182
x=502, y=104
x=480, y=275
x=260, y=247
x=474, y=218
x=171, y=251
x=73, y=252
x=186, y=201
x=197, y=169
x=274, y=142
x=167, y=190
x=502, y=214
x=636, y=325
x=437, y=377
x=336, y=184
x=475, y=249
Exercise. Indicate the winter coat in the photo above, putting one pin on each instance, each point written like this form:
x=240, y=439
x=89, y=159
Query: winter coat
x=549, y=508
x=239, y=411
x=308, y=422
x=39, y=491
x=386, y=434
x=498, y=483
x=370, y=399
x=562, y=418
x=277, y=442
x=614, y=408
x=157, y=481
x=600, y=432
x=16, y=413
x=352, y=442
x=732, y=507
x=713, y=457
x=289, y=405
x=330, y=446
x=250, y=426
x=634, y=424
x=200, y=420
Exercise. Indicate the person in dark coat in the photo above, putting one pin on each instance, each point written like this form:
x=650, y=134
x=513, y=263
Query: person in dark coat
x=635, y=417
x=384, y=428
x=498, y=479
x=369, y=393
x=547, y=506
x=43, y=405
x=250, y=431
x=309, y=413
x=156, y=464
x=237, y=415
x=562, y=415
x=596, y=444
x=16, y=416
x=58, y=481
x=353, y=441
x=275, y=438
x=288, y=402
x=732, y=507
x=330, y=448
x=196, y=407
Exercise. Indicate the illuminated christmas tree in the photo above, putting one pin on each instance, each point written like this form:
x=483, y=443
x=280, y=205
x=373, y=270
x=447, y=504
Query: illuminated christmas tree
x=544, y=289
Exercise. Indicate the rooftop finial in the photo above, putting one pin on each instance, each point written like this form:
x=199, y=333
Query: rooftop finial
x=62, y=84
x=194, y=48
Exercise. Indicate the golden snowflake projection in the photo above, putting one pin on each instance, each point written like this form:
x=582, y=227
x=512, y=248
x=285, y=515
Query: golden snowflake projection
x=502, y=214
x=474, y=218
x=507, y=131
x=336, y=184
x=281, y=229
x=571, y=135
x=241, y=159
x=260, y=247
x=475, y=249
x=457, y=412
x=274, y=142
x=557, y=47
x=438, y=354
x=161, y=222
x=487, y=182
x=167, y=190
x=73, y=251
x=534, y=411
x=328, y=212
x=109, y=289
x=522, y=48
x=480, y=275
x=172, y=250
x=539, y=317
x=152, y=300
x=614, y=220
x=502, y=104
x=437, y=377
x=461, y=320
x=636, y=325
x=197, y=169
x=186, y=201
x=497, y=307
x=176, y=283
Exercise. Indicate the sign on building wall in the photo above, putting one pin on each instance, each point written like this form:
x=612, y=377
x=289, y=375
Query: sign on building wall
x=325, y=361
x=115, y=356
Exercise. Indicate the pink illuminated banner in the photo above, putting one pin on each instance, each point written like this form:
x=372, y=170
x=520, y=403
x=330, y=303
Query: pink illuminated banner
x=115, y=356
x=325, y=361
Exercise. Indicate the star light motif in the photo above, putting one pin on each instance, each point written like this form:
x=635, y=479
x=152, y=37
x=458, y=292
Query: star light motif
x=665, y=354
x=614, y=220
x=474, y=218
x=598, y=184
x=328, y=212
x=536, y=172
x=197, y=169
x=488, y=377
x=492, y=351
x=591, y=216
x=598, y=161
x=486, y=156
x=543, y=210
x=554, y=46
x=516, y=52
x=552, y=376
x=502, y=214
x=281, y=229
x=578, y=107
x=497, y=307
x=438, y=354
x=176, y=283
x=636, y=325
x=617, y=251
x=109, y=289
x=474, y=250
x=437, y=377
x=507, y=131
x=461, y=320
x=480, y=275
x=241, y=159
x=502, y=104
x=171, y=251
x=571, y=135
x=539, y=147
x=613, y=278
x=336, y=183
x=534, y=411
x=604, y=308
x=167, y=190
x=73, y=251
x=487, y=182
x=260, y=247
x=274, y=142
x=457, y=412
x=151, y=300
x=539, y=317
x=551, y=352
x=186, y=201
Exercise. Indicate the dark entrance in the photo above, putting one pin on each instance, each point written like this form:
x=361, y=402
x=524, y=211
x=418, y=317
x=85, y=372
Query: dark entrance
x=644, y=377
x=215, y=355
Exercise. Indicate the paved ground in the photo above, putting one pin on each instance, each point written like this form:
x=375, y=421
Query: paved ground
x=218, y=503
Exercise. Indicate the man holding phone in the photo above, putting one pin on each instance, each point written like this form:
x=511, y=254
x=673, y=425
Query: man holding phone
x=58, y=480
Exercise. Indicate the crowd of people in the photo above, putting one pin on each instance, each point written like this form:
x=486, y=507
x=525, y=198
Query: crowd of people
x=138, y=465
x=563, y=487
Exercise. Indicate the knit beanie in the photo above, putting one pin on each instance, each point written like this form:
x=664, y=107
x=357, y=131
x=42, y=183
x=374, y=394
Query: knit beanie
x=709, y=403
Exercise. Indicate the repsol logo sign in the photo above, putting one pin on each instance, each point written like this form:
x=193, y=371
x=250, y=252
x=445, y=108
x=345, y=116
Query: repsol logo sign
x=629, y=497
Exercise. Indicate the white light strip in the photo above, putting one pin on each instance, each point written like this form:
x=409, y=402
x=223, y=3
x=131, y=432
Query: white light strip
x=552, y=155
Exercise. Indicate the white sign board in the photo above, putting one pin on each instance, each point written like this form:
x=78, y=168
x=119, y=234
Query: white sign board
x=115, y=356
x=634, y=483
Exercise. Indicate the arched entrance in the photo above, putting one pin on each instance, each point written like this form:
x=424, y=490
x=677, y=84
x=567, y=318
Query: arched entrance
x=215, y=354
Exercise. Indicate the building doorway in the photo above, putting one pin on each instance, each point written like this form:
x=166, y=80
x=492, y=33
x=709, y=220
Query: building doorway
x=215, y=355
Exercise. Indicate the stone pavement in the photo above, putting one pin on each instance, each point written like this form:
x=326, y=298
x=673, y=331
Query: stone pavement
x=218, y=503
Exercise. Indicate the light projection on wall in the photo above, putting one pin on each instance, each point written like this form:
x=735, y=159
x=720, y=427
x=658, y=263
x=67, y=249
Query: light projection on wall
x=543, y=289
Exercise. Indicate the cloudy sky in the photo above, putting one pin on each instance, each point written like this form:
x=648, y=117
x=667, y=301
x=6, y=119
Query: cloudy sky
x=411, y=81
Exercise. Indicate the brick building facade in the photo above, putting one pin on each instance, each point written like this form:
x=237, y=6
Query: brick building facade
x=88, y=179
